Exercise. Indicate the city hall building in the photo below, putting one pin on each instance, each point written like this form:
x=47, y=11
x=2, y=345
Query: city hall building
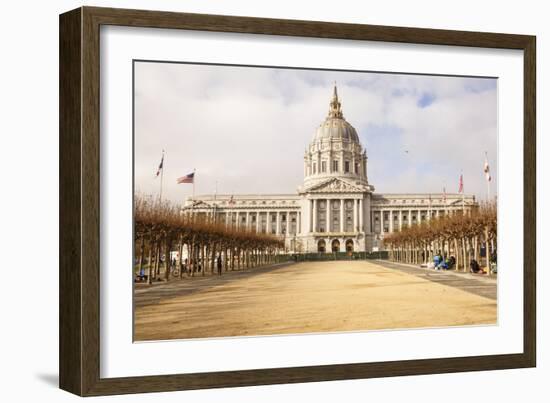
x=336, y=209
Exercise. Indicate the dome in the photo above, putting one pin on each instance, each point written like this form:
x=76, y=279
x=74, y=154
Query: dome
x=335, y=126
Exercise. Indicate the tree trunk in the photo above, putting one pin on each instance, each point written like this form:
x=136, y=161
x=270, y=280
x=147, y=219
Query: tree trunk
x=180, y=263
x=150, y=262
x=476, y=245
x=487, y=251
x=167, y=260
x=203, y=266
x=157, y=259
x=465, y=260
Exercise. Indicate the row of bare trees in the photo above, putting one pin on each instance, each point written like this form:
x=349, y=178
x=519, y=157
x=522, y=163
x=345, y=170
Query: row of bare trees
x=163, y=228
x=459, y=235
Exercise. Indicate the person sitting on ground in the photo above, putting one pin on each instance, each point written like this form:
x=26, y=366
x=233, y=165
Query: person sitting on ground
x=451, y=261
x=442, y=265
x=437, y=260
x=475, y=267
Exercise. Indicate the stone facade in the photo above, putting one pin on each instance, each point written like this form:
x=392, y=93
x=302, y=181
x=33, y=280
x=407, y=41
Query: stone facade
x=336, y=209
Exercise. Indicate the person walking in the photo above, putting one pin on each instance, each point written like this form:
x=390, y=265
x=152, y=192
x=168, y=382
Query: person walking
x=219, y=264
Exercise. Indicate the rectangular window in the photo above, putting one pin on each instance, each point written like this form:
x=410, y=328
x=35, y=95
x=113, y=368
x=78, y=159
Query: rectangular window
x=356, y=168
x=346, y=167
x=323, y=166
x=334, y=166
x=314, y=168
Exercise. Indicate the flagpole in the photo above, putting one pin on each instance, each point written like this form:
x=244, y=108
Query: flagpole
x=462, y=181
x=161, y=178
x=215, y=205
x=193, y=184
x=486, y=170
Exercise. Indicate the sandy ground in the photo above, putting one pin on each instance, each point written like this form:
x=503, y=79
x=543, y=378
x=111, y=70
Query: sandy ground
x=304, y=298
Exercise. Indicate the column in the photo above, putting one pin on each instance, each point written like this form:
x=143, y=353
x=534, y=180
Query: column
x=342, y=224
x=361, y=212
x=278, y=224
x=248, y=220
x=310, y=212
x=257, y=221
x=354, y=228
x=327, y=219
x=314, y=220
x=410, y=218
x=289, y=222
x=391, y=221
x=299, y=222
x=400, y=220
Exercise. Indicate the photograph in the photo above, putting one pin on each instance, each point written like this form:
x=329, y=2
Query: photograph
x=282, y=201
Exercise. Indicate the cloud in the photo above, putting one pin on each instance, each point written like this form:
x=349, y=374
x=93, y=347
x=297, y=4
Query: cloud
x=247, y=128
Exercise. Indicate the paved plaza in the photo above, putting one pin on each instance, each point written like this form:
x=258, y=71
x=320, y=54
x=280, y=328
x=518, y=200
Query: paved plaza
x=311, y=297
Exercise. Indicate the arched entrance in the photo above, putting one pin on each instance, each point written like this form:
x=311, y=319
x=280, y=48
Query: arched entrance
x=335, y=245
x=321, y=246
x=349, y=245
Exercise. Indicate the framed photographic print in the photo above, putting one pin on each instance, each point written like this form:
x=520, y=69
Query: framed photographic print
x=250, y=201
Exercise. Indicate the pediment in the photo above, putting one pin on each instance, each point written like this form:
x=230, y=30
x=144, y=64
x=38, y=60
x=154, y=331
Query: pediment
x=199, y=204
x=457, y=202
x=335, y=185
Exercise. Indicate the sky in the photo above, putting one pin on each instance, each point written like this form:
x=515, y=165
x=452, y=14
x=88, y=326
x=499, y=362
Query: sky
x=245, y=129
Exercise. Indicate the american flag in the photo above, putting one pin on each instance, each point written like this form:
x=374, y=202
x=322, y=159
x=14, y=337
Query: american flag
x=486, y=169
x=160, y=165
x=460, y=185
x=189, y=178
x=231, y=200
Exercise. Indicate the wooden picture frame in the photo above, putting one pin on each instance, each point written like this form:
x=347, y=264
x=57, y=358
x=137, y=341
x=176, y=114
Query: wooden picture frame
x=79, y=346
